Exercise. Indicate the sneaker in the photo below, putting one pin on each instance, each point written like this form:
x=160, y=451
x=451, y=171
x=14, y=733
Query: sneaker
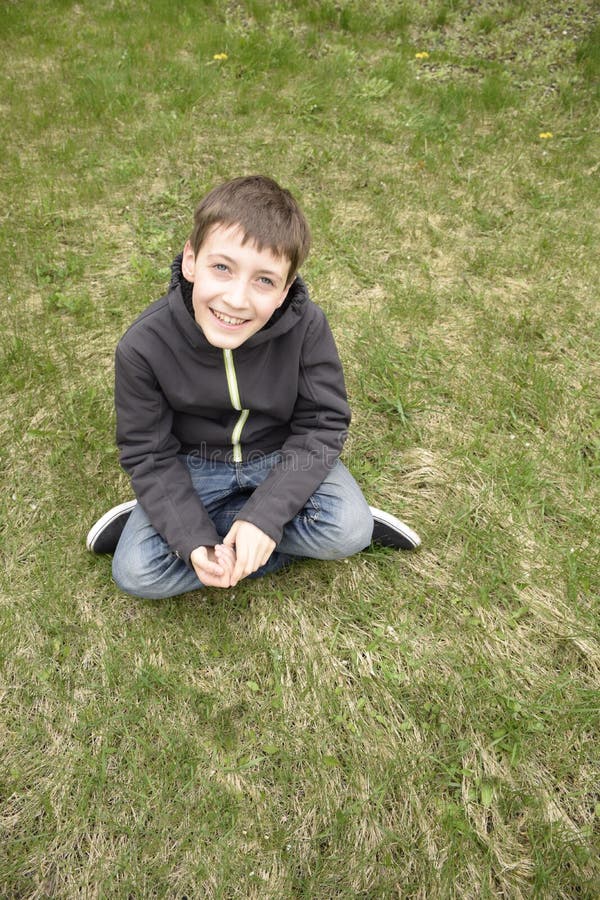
x=388, y=531
x=103, y=537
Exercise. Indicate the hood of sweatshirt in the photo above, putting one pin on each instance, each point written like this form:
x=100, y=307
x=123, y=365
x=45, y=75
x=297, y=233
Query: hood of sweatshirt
x=282, y=320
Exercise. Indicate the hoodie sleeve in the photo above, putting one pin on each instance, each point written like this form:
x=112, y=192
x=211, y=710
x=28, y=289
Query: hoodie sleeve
x=148, y=453
x=319, y=428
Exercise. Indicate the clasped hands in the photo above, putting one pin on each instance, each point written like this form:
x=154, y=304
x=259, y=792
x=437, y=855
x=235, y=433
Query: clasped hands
x=245, y=549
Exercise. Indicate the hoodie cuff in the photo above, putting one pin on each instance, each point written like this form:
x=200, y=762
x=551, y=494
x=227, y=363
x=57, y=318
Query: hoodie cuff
x=184, y=549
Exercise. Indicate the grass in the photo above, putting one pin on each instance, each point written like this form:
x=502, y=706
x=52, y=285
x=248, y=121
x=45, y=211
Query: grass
x=404, y=725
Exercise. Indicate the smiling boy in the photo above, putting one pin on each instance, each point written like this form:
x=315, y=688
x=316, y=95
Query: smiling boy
x=232, y=413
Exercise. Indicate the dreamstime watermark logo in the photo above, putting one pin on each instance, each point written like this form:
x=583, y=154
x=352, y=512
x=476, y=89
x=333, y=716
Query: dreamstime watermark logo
x=203, y=457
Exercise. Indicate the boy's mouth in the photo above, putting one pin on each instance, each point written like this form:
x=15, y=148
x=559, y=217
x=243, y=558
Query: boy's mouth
x=227, y=320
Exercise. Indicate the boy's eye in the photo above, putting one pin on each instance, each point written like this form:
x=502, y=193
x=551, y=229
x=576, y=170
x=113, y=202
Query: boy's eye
x=265, y=280
x=220, y=267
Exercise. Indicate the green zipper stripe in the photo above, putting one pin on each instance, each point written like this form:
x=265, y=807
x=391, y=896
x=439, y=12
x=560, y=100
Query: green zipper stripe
x=234, y=396
x=237, y=431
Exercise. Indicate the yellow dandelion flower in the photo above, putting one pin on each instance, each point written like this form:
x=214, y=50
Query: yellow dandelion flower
x=423, y=55
x=220, y=56
x=546, y=135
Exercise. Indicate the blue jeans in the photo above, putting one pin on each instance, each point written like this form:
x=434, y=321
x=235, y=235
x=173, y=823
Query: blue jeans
x=334, y=523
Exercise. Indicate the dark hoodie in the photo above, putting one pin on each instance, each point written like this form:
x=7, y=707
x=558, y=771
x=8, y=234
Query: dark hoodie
x=175, y=393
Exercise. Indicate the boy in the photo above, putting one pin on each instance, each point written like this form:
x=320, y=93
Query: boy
x=232, y=412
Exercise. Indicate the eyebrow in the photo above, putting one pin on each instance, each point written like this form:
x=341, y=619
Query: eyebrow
x=230, y=259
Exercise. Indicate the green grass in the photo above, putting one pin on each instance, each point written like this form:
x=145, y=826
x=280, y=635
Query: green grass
x=396, y=725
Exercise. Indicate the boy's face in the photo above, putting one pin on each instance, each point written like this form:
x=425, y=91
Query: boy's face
x=237, y=287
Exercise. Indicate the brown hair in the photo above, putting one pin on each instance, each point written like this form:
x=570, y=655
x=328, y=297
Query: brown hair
x=268, y=215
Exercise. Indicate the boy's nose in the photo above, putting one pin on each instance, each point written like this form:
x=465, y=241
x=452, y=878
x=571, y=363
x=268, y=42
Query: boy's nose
x=236, y=294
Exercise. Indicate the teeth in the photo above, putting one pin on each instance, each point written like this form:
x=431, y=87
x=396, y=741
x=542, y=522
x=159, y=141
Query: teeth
x=229, y=320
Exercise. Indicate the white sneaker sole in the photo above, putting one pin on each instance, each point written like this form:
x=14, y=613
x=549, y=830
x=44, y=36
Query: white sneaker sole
x=106, y=519
x=401, y=527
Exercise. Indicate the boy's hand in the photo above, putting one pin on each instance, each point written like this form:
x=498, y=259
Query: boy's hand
x=213, y=565
x=252, y=548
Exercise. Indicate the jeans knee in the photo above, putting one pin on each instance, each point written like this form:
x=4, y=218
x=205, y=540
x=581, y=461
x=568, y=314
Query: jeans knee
x=137, y=581
x=358, y=535
x=348, y=534
x=347, y=521
x=364, y=533
x=125, y=577
x=156, y=578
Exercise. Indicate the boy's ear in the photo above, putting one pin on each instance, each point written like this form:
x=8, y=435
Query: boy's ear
x=283, y=296
x=188, y=263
